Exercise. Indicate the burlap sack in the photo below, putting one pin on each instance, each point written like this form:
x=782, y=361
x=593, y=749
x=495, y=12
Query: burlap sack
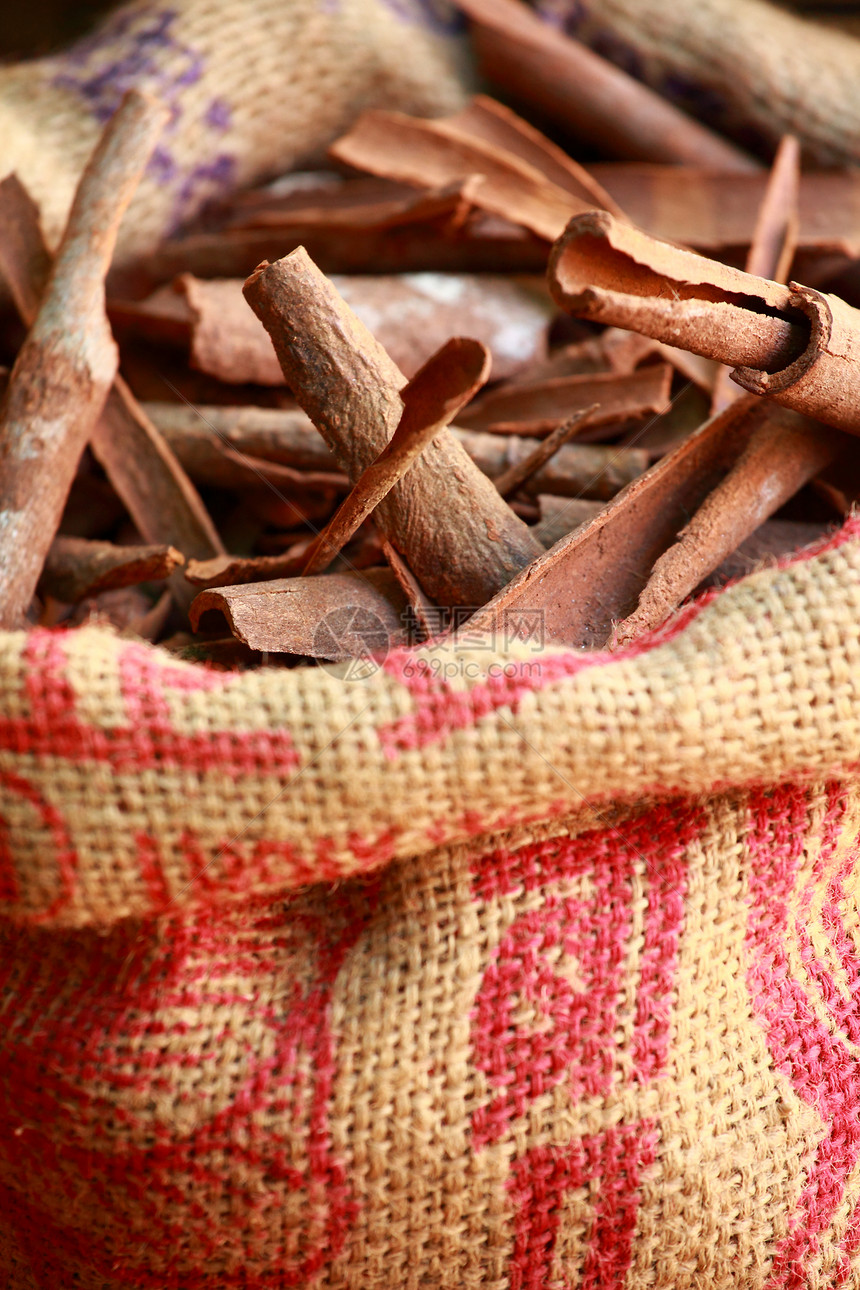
x=748, y=67
x=254, y=86
x=524, y=969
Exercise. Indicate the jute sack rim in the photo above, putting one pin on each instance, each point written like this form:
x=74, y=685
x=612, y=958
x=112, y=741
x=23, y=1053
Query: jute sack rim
x=135, y=783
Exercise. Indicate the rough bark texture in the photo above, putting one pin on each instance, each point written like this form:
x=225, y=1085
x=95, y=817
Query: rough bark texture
x=65, y=368
x=461, y=539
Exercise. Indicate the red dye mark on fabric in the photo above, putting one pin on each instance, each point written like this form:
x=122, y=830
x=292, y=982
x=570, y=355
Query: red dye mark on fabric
x=823, y=1070
x=147, y=739
x=153, y=1184
x=151, y=870
x=613, y=1163
x=63, y=854
x=546, y=1015
x=441, y=708
x=564, y=962
x=565, y=1037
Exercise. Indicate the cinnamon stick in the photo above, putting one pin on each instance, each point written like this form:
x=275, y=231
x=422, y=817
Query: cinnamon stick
x=236, y=570
x=65, y=368
x=438, y=245
x=337, y=616
x=484, y=118
x=516, y=476
x=593, y=577
x=534, y=407
x=793, y=343
x=145, y=474
x=715, y=212
x=77, y=567
x=460, y=538
x=774, y=240
x=541, y=66
x=783, y=453
x=283, y=435
x=431, y=153
x=411, y=315
x=434, y=396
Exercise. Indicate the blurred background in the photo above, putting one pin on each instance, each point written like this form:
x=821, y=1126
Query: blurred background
x=40, y=26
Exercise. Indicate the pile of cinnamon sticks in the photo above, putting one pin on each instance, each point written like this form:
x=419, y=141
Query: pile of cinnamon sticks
x=467, y=390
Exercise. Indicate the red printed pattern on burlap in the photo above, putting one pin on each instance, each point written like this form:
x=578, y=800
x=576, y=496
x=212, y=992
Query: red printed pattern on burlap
x=93, y=1079
x=561, y=965
x=146, y=740
x=818, y=1056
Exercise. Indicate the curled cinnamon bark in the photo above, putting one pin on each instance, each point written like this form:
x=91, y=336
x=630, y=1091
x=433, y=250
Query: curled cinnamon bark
x=462, y=541
x=773, y=243
x=431, y=400
x=77, y=567
x=145, y=474
x=783, y=453
x=67, y=364
x=793, y=343
x=336, y=616
x=266, y=435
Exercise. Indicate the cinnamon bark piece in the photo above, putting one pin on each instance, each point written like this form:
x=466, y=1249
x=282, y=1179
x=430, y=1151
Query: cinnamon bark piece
x=144, y=472
x=484, y=118
x=581, y=91
x=66, y=365
x=793, y=343
x=337, y=616
x=783, y=453
x=25, y=261
x=594, y=576
x=76, y=567
x=236, y=570
x=715, y=213
x=431, y=400
x=588, y=470
x=460, y=538
x=534, y=407
x=432, y=153
x=395, y=205
x=285, y=436
x=516, y=476
x=411, y=315
x=482, y=244
x=428, y=616
x=561, y=515
x=774, y=240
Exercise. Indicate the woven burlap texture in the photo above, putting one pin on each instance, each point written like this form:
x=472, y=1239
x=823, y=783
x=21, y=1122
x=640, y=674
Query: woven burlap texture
x=254, y=87
x=571, y=998
x=752, y=68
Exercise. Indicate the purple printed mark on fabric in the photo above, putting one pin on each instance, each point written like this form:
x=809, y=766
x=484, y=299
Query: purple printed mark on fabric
x=208, y=180
x=131, y=49
x=566, y=15
x=329, y=6
x=162, y=167
x=141, y=49
x=437, y=15
x=219, y=115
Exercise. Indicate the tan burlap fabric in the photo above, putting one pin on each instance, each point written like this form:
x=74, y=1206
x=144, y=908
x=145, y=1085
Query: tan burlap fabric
x=254, y=86
x=750, y=67
x=571, y=1000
